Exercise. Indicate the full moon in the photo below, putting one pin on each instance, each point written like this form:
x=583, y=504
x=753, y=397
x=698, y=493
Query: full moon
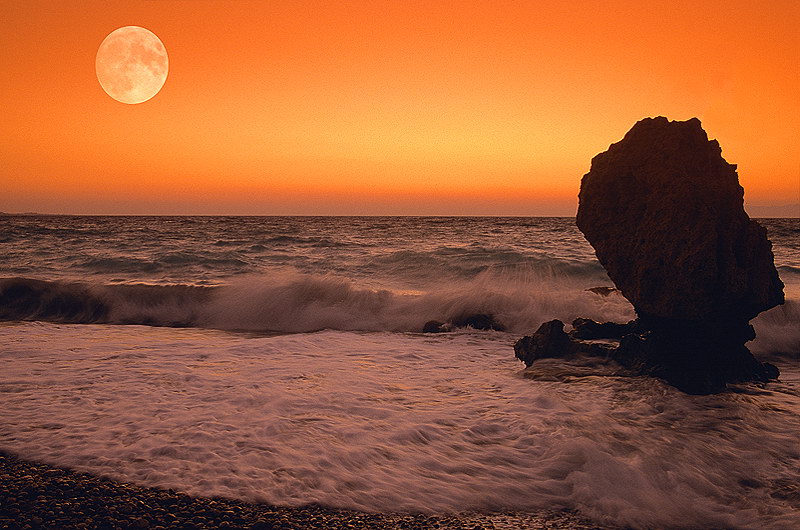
x=131, y=64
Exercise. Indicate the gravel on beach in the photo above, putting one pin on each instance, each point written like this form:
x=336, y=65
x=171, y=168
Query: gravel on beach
x=34, y=495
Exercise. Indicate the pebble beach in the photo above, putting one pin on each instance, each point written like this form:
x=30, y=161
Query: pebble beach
x=34, y=495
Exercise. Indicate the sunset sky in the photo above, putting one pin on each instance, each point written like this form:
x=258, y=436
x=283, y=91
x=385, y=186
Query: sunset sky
x=398, y=107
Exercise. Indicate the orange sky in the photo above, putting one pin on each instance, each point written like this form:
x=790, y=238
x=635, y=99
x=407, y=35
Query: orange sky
x=400, y=107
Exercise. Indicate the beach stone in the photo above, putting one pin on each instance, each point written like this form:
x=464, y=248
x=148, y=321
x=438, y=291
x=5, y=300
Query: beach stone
x=664, y=212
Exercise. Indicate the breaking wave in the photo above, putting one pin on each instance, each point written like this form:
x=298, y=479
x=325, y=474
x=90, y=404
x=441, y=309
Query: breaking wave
x=294, y=302
x=291, y=302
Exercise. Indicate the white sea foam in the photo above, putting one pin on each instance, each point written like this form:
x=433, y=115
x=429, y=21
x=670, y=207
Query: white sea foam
x=778, y=330
x=388, y=421
x=290, y=301
x=299, y=303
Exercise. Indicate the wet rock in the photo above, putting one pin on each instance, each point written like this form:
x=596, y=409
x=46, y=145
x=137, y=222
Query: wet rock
x=549, y=340
x=664, y=213
x=690, y=358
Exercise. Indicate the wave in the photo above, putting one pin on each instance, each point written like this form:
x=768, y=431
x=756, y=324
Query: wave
x=786, y=270
x=83, y=303
x=463, y=264
x=119, y=264
x=287, y=301
x=159, y=263
x=283, y=240
x=778, y=332
x=291, y=302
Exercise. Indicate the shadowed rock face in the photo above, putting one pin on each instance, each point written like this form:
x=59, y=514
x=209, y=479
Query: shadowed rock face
x=664, y=212
x=686, y=362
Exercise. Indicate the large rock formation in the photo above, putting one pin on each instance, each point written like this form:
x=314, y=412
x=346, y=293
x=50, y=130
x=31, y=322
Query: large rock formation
x=664, y=212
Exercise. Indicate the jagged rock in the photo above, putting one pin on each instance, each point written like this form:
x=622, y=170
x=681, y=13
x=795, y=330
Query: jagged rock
x=664, y=213
x=685, y=357
x=478, y=321
x=549, y=340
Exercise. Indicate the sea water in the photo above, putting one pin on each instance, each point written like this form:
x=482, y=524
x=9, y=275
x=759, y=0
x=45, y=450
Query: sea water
x=281, y=359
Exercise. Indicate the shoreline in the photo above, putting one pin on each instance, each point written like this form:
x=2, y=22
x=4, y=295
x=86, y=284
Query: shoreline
x=36, y=495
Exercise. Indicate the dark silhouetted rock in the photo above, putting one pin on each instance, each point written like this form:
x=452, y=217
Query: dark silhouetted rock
x=478, y=321
x=434, y=326
x=664, y=213
x=691, y=363
x=549, y=340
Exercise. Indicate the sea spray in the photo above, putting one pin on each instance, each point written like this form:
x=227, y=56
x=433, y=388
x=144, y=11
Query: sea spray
x=294, y=302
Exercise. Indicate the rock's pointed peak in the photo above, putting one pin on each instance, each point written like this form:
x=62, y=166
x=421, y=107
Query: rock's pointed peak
x=661, y=126
x=663, y=121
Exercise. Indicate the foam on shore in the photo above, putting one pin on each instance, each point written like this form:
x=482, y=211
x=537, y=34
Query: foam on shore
x=386, y=422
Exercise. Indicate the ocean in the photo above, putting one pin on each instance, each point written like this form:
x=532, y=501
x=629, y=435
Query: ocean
x=281, y=360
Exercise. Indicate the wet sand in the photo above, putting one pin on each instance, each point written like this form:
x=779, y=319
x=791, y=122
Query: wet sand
x=35, y=495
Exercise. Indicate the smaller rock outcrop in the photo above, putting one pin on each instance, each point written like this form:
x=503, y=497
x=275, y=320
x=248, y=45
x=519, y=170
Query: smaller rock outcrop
x=638, y=351
x=549, y=340
x=691, y=358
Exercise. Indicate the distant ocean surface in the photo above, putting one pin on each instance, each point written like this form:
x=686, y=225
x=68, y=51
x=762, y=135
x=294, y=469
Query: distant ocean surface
x=281, y=359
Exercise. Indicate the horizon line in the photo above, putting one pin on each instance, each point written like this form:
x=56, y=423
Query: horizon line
x=45, y=214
